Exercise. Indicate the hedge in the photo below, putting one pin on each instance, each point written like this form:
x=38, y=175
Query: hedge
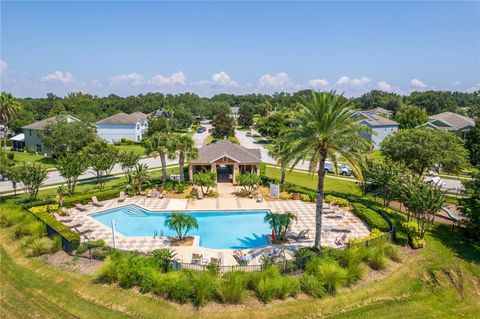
x=73, y=238
x=87, y=198
x=371, y=217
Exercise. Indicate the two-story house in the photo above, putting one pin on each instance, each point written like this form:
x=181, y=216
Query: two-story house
x=32, y=132
x=120, y=126
x=381, y=126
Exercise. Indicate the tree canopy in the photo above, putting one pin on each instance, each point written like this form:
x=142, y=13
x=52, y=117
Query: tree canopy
x=411, y=116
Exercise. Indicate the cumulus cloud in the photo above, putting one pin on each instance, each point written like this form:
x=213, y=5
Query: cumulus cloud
x=456, y=83
x=174, y=79
x=345, y=80
x=59, y=76
x=416, y=83
x=96, y=83
x=3, y=66
x=318, y=83
x=279, y=80
x=384, y=86
x=134, y=79
x=223, y=78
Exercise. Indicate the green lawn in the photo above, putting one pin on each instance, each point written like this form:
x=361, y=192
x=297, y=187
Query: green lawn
x=21, y=157
x=304, y=179
x=137, y=148
x=440, y=281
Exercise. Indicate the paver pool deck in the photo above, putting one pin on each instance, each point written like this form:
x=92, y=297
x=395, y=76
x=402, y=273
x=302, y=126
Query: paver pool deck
x=305, y=213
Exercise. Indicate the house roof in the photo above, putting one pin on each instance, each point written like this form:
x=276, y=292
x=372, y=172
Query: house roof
x=124, y=118
x=375, y=120
x=19, y=137
x=453, y=120
x=215, y=151
x=379, y=110
x=40, y=125
x=234, y=109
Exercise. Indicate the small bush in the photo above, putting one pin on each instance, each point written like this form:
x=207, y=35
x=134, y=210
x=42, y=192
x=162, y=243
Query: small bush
x=355, y=272
x=10, y=216
x=285, y=196
x=303, y=255
x=349, y=256
x=287, y=286
x=131, y=271
x=371, y=217
x=150, y=278
x=391, y=252
x=337, y=201
x=56, y=244
x=38, y=246
x=178, y=286
x=11, y=156
x=376, y=258
x=109, y=272
x=163, y=259
x=266, y=289
x=332, y=274
x=417, y=242
x=203, y=288
x=313, y=286
x=28, y=226
x=232, y=289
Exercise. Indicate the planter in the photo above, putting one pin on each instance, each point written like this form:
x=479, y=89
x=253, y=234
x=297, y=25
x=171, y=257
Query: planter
x=295, y=195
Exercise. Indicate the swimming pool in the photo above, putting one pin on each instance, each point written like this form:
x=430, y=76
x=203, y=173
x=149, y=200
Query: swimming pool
x=217, y=229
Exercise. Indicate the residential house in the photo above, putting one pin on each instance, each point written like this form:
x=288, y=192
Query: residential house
x=120, y=126
x=452, y=122
x=234, y=111
x=32, y=132
x=381, y=126
x=18, y=142
x=226, y=159
x=381, y=112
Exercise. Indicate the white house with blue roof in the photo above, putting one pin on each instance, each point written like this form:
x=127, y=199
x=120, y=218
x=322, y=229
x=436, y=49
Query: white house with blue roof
x=132, y=127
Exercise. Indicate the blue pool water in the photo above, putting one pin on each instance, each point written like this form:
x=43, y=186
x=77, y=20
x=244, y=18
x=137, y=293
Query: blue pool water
x=217, y=229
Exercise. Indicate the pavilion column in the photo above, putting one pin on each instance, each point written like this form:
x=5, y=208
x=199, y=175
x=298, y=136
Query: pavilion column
x=258, y=169
x=235, y=172
x=214, y=167
x=190, y=172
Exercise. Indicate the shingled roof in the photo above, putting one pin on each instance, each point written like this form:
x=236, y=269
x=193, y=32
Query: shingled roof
x=215, y=151
x=40, y=125
x=453, y=120
x=124, y=118
x=375, y=120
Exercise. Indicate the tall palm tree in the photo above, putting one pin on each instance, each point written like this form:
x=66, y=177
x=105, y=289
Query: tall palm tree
x=324, y=128
x=186, y=151
x=280, y=155
x=161, y=144
x=9, y=107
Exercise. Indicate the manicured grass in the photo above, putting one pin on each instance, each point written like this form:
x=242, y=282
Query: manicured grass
x=21, y=157
x=440, y=281
x=209, y=140
x=303, y=179
x=265, y=143
x=136, y=148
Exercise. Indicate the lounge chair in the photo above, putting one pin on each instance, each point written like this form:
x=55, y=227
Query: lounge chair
x=301, y=235
x=81, y=207
x=121, y=197
x=341, y=230
x=197, y=258
x=199, y=195
x=82, y=232
x=215, y=261
x=259, y=198
x=96, y=202
x=340, y=241
x=62, y=219
x=65, y=211
x=162, y=194
x=241, y=258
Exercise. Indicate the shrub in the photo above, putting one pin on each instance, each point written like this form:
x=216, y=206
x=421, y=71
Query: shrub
x=150, y=278
x=417, y=242
x=375, y=233
x=313, y=286
x=163, y=259
x=28, y=226
x=337, y=201
x=131, y=271
x=11, y=215
x=109, y=272
x=303, y=255
x=287, y=286
x=38, y=246
x=348, y=257
x=178, y=287
x=203, y=288
x=285, y=195
x=100, y=254
x=11, y=156
x=266, y=289
x=89, y=245
x=305, y=198
x=371, y=217
x=56, y=244
x=332, y=274
x=391, y=251
x=87, y=198
x=376, y=258
x=233, y=288
x=355, y=272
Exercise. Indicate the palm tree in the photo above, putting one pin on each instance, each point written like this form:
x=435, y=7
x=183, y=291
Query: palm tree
x=181, y=223
x=324, y=128
x=9, y=107
x=161, y=144
x=186, y=151
x=280, y=223
x=140, y=175
x=280, y=155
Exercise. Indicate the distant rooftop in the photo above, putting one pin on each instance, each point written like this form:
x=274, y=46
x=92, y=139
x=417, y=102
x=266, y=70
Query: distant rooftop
x=379, y=110
x=373, y=119
x=124, y=118
x=453, y=120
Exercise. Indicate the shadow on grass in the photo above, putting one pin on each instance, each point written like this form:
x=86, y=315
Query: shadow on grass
x=464, y=248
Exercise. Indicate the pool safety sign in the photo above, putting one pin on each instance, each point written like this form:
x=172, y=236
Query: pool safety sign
x=274, y=190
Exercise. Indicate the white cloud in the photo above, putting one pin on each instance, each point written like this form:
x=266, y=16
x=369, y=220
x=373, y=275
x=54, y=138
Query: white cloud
x=59, y=76
x=223, y=78
x=456, y=83
x=175, y=79
x=360, y=82
x=384, y=86
x=96, y=83
x=279, y=80
x=3, y=66
x=416, y=83
x=134, y=79
x=318, y=83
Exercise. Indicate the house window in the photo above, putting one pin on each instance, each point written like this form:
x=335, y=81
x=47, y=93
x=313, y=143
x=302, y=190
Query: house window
x=138, y=138
x=39, y=148
x=30, y=132
x=138, y=126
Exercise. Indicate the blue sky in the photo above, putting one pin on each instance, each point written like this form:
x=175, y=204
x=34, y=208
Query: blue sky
x=131, y=47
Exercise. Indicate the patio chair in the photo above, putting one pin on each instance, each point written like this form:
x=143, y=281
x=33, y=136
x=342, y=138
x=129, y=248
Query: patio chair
x=341, y=230
x=259, y=198
x=121, y=197
x=81, y=207
x=301, y=235
x=215, y=261
x=199, y=195
x=82, y=232
x=62, y=219
x=149, y=193
x=241, y=258
x=162, y=194
x=96, y=202
x=340, y=241
x=197, y=258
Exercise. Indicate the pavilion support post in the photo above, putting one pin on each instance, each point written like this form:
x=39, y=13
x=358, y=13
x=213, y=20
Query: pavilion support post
x=235, y=172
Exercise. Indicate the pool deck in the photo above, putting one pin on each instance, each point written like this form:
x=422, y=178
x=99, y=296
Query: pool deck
x=334, y=224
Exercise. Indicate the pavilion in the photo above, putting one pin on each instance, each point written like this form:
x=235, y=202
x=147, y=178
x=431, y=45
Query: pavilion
x=226, y=159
